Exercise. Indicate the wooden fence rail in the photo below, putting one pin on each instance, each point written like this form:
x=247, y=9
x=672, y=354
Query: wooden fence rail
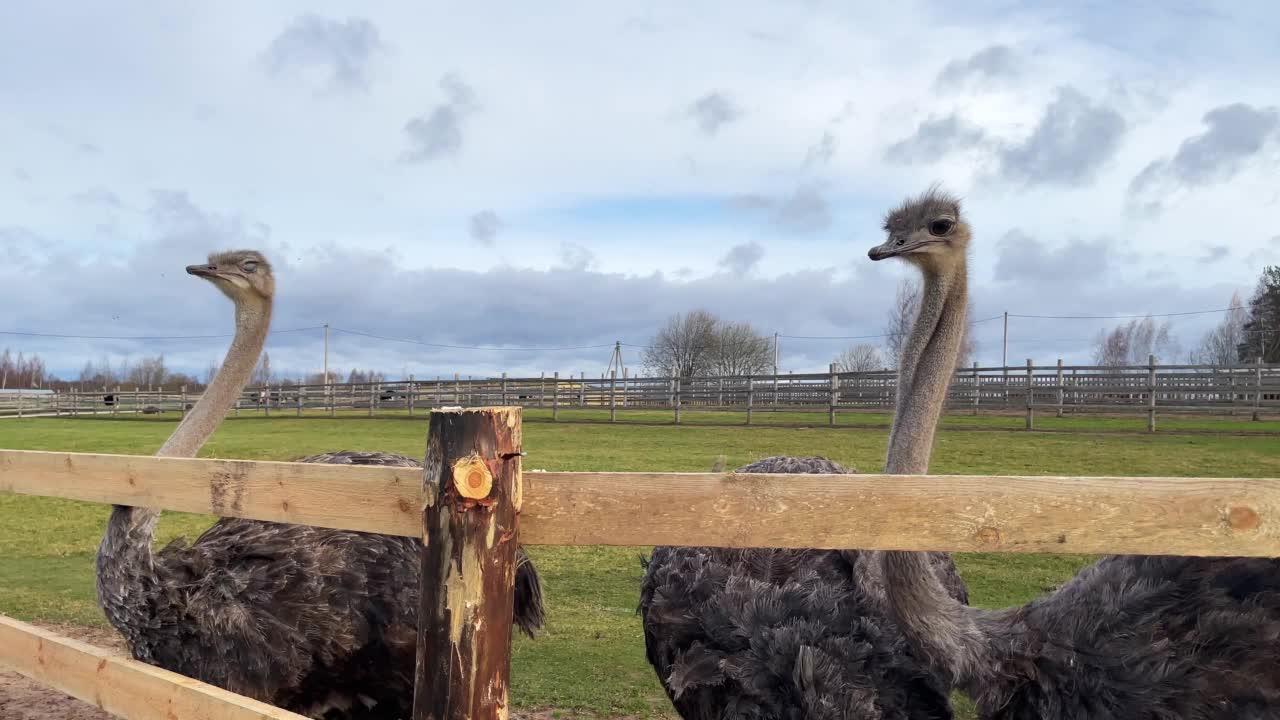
x=1147, y=515
x=1247, y=390
x=467, y=500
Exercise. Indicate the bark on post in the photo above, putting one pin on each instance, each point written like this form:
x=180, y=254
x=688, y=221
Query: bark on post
x=472, y=490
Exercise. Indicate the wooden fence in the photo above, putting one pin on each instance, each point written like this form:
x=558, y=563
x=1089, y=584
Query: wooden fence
x=1248, y=391
x=472, y=491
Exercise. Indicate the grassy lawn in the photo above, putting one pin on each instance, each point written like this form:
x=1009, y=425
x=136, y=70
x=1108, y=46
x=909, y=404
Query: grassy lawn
x=591, y=660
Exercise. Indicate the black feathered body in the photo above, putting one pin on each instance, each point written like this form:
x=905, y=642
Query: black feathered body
x=1142, y=638
x=781, y=633
x=319, y=621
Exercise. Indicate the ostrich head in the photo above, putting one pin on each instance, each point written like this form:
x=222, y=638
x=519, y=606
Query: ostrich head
x=242, y=275
x=927, y=230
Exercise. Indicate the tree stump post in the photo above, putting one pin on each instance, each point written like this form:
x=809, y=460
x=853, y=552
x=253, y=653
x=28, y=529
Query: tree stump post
x=472, y=493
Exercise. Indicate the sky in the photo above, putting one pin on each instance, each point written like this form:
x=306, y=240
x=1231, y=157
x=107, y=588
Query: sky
x=522, y=190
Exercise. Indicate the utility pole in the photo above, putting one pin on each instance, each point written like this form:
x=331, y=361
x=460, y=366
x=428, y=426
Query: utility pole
x=615, y=360
x=775, y=369
x=1004, y=358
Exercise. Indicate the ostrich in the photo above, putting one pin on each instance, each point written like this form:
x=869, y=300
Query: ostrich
x=321, y=622
x=783, y=633
x=1130, y=636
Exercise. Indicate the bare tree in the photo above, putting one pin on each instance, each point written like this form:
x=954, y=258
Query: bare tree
x=684, y=346
x=1221, y=345
x=737, y=349
x=1133, y=342
x=860, y=358
x=902, y=315
x=262, y=374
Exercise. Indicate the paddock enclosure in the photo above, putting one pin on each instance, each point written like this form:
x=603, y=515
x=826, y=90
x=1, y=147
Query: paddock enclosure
x=473, y=500
x=1142, y=390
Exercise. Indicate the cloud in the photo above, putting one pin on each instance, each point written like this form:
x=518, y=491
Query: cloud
x=1022, y=259
x=1236, y=134
x=344, y=49
x=1073, y=139
x=997, y=62
x=576, y=257
x=484, y=227
x=805, y=210
x=714, y=111
x=936, y=138
x=742, y=259
x=97, y=196
x=1214, y=253
x=821, y=152
x=439, y=132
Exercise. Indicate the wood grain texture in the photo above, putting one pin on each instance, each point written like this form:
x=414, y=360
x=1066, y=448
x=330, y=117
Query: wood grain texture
x=1148, y=515
x=351, y=497
x=472, y=491
x=123, y=687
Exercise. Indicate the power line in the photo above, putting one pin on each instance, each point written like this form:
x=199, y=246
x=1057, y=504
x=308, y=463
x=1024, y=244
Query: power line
x=144, y=337
x=1122, y=317
x=470, y=347
x=870, y=337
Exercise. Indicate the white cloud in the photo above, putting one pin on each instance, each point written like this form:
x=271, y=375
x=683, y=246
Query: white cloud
x=583, y=153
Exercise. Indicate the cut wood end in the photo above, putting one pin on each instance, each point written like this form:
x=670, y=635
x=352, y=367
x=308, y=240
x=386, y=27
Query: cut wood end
x=471, y=477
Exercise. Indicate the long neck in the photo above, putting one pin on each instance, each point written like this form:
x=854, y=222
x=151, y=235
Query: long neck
x=126, y=565
x=928, y=362
x=948, y=634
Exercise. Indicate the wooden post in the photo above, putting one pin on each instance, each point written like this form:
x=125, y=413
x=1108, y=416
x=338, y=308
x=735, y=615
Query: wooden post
x=137, y=406
x=265, y=394
x=977, y=388
x=1060, y=388
x=19, y=403
x=613, y=397
x=1031, y=392
x=624, y=386
x=472, y=490
x=1257, y=395
x=720, y=393
x=555, y=396
x=302, y=394
x=751, y=396
x=413, y=390
x=183, y=399
x=542, y=387
x=835, y=394
x=582, y=390
x=1151, y=393
x=675, y=399
x=504, y=388
x=457, y=390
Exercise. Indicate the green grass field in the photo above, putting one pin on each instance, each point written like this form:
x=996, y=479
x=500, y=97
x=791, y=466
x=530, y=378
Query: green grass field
x=591, y=660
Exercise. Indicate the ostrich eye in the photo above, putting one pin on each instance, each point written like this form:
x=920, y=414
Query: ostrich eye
x=249, y=266
x=941, y=227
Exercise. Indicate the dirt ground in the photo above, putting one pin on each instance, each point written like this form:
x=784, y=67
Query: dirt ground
x=23, y=699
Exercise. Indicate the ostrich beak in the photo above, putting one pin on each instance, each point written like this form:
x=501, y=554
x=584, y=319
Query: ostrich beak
x=206, y=271
x=882, y=251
